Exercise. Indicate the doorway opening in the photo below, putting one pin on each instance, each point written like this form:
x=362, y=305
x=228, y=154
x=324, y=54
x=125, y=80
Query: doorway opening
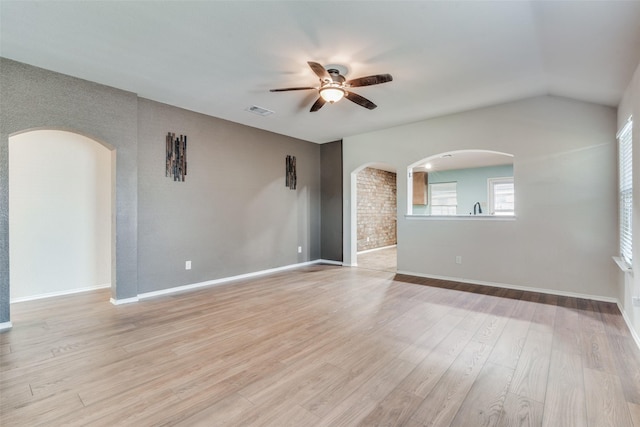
x=376, y=218
x=61, y=228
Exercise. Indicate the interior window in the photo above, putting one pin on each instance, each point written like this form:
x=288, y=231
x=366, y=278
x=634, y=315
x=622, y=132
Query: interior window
x=501, y=196
x=443, y=198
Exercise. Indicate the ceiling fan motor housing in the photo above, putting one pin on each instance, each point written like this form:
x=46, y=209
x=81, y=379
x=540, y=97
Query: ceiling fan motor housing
x=336, y=76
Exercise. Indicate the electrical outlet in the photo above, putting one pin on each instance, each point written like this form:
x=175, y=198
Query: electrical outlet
x=635, y=301
x=299, y=249
x=187, y=265
x=458, y=259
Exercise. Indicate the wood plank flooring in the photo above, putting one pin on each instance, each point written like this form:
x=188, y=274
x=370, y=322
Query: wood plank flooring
x=385, y=259
x=321, y=346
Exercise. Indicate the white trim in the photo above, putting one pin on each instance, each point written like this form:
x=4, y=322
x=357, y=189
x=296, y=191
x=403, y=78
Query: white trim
x=328, y=261
x=482, y=217
x=123, y=300
x=516, y=287
x=625, y=191
x=351, y=252
x=5, y=326
x=491, y=193
x=59, y=293
x=634, y=334
x=623, y=265
x=377, y=249
x=221, y=281
x=626, y=127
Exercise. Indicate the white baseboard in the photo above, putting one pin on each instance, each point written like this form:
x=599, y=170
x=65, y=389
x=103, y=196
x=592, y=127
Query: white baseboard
x=223, y=280
x=634, y=334
x=328, y=261
x=377, y=249
x=515, y=287
x=5, y=326
x=59, y=293
x=123, y=300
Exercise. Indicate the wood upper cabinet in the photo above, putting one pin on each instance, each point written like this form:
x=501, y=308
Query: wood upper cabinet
x=420, y=180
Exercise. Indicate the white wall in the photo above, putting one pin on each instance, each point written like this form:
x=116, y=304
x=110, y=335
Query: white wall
x=628, y=285
x=564, y=234
x=60, y=213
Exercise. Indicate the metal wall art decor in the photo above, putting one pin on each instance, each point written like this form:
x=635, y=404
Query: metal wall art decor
x=291, y=178
x=176, y=157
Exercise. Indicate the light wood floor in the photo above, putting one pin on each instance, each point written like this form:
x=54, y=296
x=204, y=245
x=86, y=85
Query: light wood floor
x=321, y=346
x=385, y=259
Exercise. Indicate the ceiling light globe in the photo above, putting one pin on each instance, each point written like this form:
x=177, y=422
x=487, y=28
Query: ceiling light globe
x=331, y=94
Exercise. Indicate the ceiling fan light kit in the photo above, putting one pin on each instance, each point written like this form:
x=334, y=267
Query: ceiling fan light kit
x=333, y=86
x=331, y=93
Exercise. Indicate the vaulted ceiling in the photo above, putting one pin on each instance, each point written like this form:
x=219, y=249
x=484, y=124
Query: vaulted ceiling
x=219, y=58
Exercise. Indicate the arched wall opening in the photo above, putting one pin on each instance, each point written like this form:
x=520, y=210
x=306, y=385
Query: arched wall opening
x=61, y=222
x=474, y=171
x=373, y=196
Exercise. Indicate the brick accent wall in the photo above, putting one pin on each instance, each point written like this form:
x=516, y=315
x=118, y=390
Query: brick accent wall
x=377, y=207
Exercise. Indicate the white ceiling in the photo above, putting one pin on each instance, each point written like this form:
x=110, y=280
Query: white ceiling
x=219, y=58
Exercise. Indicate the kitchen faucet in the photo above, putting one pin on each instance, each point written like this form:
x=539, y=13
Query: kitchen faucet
x=477, y=205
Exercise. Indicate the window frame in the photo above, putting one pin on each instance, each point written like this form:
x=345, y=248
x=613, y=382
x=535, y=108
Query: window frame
x=625, y=192
x=491, y=182
x=431, y=199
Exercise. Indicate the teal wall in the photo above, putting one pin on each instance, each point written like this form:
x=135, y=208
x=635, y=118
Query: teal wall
x=471, y=188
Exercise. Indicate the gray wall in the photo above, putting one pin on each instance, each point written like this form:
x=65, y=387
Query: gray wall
x=33, y=98
x=331, y=212
x=233, y=214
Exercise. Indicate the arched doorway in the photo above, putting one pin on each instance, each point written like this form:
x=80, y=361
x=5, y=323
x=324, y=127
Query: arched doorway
x=61, y=214
x=375, y=210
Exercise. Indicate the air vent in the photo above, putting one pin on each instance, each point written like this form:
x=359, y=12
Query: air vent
x=259, y=110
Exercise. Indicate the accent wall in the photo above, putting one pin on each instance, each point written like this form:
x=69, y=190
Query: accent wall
x=233, y=214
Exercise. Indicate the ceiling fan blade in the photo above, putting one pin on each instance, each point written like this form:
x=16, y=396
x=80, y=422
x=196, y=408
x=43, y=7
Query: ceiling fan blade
x=318, y=104
x=319, y=70
x=291, y=88
x=370, y=80
x=362, y=101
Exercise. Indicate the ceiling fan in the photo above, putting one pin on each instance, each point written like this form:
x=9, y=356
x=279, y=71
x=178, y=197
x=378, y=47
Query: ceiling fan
x=333, y=86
